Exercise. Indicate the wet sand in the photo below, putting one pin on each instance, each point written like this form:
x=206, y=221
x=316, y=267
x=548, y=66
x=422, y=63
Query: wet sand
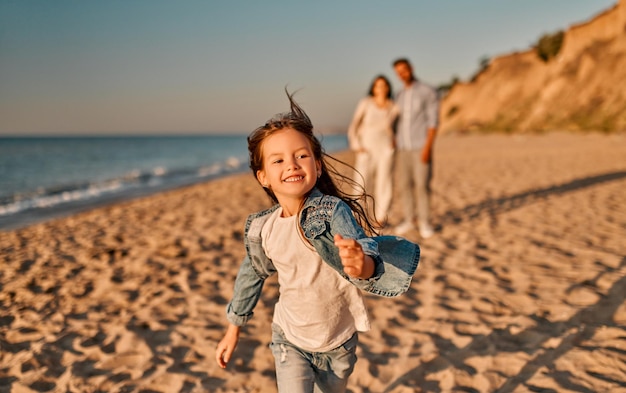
x=521, y=289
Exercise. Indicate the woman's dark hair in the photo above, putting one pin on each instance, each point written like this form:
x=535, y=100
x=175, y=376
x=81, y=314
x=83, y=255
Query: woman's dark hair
x=383, y=77
x=299, y=121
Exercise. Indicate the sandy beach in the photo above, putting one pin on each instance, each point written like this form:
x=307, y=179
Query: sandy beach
x=522, y=288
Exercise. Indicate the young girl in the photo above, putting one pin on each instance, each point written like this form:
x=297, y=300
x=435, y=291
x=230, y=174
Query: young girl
x=313, y=240
x=371, y=136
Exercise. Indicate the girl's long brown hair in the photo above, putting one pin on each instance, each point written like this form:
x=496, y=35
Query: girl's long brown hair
x=299, y=121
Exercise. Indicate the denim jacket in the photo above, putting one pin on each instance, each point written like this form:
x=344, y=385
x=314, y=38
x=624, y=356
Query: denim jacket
x=322, y=217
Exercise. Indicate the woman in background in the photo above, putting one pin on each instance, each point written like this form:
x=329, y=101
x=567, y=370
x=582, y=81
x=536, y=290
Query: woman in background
x=371, y=136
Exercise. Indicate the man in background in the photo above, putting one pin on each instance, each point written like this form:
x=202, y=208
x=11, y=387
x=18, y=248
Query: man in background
x=415, y=134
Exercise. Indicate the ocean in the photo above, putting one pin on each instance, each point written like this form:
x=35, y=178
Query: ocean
x=47, y=177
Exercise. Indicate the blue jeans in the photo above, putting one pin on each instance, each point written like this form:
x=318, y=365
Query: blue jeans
x=300, y=371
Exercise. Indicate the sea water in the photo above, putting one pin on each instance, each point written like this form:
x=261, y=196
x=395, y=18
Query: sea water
x=44, y=177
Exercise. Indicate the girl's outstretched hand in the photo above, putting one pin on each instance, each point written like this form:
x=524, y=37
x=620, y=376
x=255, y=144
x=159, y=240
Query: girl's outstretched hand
x=227, y=346
x=355, y=262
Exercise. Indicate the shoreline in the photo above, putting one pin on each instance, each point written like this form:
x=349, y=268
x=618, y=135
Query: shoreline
x=520, y=289
x=39, y=215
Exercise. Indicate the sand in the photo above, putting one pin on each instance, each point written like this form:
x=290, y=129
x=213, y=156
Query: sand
x=521, y=289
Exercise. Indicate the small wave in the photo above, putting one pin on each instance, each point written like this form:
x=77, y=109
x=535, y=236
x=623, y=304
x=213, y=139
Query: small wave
x=159, y=171
x=212, y=170
x=233, y=162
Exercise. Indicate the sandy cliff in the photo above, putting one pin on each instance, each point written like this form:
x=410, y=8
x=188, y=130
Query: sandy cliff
x=582, y=88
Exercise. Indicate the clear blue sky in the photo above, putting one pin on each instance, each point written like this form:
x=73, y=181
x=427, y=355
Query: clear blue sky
x=154, y=66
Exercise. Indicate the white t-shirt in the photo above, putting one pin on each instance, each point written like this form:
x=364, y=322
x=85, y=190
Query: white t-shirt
x=318, y=310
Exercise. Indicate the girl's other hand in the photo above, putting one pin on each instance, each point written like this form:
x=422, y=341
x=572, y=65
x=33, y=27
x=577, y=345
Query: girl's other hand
x=227, y=346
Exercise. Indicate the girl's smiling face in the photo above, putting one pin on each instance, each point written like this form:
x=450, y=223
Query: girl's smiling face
x=290, y=169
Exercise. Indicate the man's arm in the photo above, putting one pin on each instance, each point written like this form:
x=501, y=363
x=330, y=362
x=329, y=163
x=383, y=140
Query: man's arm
x=433, y=122
x=428, y=146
